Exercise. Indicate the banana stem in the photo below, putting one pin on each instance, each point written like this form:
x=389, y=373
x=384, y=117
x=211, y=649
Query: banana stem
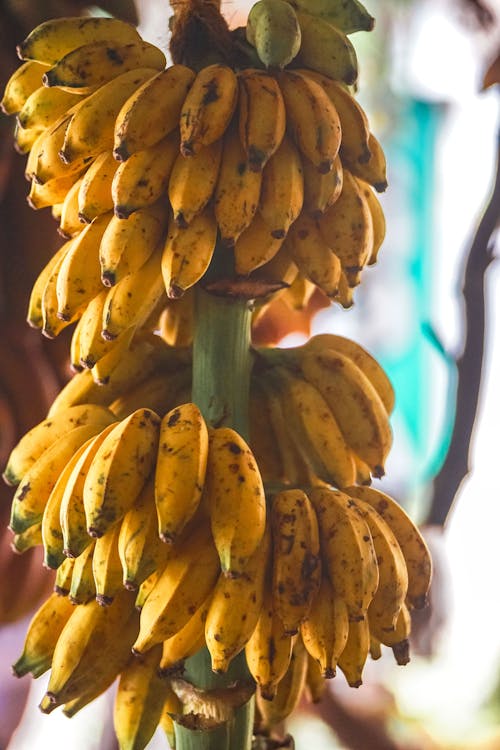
x=222, y=363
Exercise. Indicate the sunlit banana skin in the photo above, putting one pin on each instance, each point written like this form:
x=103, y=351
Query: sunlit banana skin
x=106, y=567
x=82, y=587
x=325, y=628
x=261, y=116
x=282, y=190
x=186, y=642
x=44, y=106
x=22, y=83
x=353, y=658
x=94, y=196
x=192, y=182
x=70, y=223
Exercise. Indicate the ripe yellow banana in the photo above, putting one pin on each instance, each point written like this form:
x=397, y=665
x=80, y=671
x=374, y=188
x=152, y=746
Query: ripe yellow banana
x=106, y=567
x=374, y=170
x=327, y=49
x=192, y=182
x=82, y=588
x=347, y=549
x=353, y=658
x=52, y=325
x=311, y=118
x=152, y=112
x=72, y=511
x=25, y=139
x=133, y=299
x=87, y=648
x=183, y=586
x=186, y=642
x=273, y=29
x=64, y=575
x=41, y=437
x=94, y=197
x=51, y=192
x=321, y=191
x=44, y=163
x=79, y=275
x=413, y=546
x=90, y=346
x=44, y=106
x=28, y=539
x=349, y=16
x=208, y=108
x=261, y=116
x=70, y=223
x=355, y=404
x=296, y=567
x=158, y=392
x=282, y=190
x=180, y=470
x=140, y=549
x=127, y=244
x=378, y=219
x=139, y=700
x=34, y=315
x=289, y=690
x=119, y=470
x=314, y=429
x=236, y=499
x=397, y=639
x=238, y=190
x=235, y=608
x=325, y=628
x=26, y=79
x=92, y=65
x=106, y=364
x=347, y=227
x=53, y=39
x=143, y=179
x=80, y=389
x=255, y=246
x=91, y=127
x=269, y=649
x=313, y=256
x=187, y=253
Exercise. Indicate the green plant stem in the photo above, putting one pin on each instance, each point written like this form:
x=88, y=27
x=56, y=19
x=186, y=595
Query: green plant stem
x=222, y=364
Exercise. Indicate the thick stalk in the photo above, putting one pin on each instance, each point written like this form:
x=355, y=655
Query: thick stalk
x=221, y=382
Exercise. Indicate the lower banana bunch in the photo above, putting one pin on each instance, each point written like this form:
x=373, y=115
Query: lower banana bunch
x=149, y=177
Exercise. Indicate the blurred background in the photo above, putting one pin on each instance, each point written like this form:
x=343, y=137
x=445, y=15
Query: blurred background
x=428, y=310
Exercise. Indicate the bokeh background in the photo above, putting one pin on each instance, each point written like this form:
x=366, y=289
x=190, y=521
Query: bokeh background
x=429, y=83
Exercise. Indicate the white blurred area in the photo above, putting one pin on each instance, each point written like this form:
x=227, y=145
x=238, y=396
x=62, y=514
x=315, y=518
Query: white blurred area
x=436, y=59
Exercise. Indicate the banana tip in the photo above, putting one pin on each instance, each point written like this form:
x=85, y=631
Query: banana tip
x=120, y=153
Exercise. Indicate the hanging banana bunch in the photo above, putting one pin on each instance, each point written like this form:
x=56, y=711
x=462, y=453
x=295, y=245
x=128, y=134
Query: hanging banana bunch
x=173, y=525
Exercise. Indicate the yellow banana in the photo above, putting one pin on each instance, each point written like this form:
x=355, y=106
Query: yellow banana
x=374, y=170
x=41, y=437
x=187, y=253
x=139, y=700
x=273, y=29
x=176, y=321
x=90, y=345
x=87, y=648
x=325, y=629
x=106, y=364
x=378, y=220
x=152, y=112
x=397, y=639
x=44, y=106
x=235, y=497
x=312, y=119
x=146, y=588
x=119, y=470
x=51, y=192
x=158, y=392
x=44, y=163
x=208, y=108
x=106, y=566
x=180, y=470
x=171, y=707
x=140, y=549
x=235, y=608
x=52, y=325
x=363, y=359
x=28, y=539
x=91, y=127
x=289, y=690
x=347, y=226
x=355, y=404
x=327, y=49
x=321, y=191
x=255, y=246
x=413, y=546
x=375, y=648
x=98, y=684
x=42, y=635
x=34, y=315
x=269, y=649
x=315, y=682
x=183, y=586
x=314, y=429
x=72, y=511
x=143, y=178
x=70, y=222
x=82, y=589
x=237, y=192
x=282, y=191
x=53, y=39
x=192, y=182
x=79, y=276
x=347, y=549
x=261, y=116
x=127, y=244
x=353, y=658
x=91, y=65
x=186, y=642
x=26, y=79
x=134, y=298
x=313, y=256
x=64, y=575
x=80, y=389
x=94, y=197
x=25, y=139
x=296, y=567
